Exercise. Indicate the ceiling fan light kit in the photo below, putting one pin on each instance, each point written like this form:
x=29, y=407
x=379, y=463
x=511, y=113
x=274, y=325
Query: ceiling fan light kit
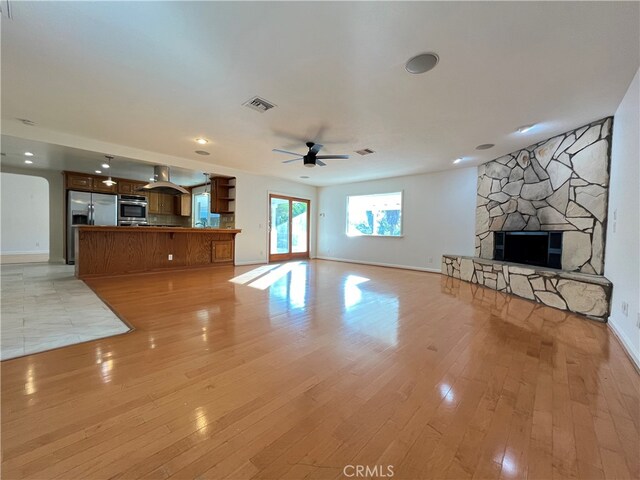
x=311, y=159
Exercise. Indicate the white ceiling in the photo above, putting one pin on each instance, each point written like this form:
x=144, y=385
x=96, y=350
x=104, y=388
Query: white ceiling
x=48, y=156
x=154, y=75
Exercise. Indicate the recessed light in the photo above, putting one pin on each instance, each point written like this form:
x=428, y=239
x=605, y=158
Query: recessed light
x=98, y=171
x=457, y=160
x=202, y=141
x=422, y=63
x=526, y=128
x=28, y=154
x=202, y=152
x=485, y=146
x=304, y=176
x=105, y=165
x=28, y=162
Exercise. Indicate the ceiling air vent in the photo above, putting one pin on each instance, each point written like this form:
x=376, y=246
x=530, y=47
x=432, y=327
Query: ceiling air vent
x=365, y=151
x=259, y=104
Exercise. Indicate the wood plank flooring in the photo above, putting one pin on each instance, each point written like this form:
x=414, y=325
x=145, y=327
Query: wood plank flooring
x=297, y=371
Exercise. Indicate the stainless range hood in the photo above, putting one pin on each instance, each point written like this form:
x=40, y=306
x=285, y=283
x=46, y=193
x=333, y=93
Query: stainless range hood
x=162, y=183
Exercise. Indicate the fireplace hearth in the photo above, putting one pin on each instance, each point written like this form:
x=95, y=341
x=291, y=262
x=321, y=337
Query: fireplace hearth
x=542, y=249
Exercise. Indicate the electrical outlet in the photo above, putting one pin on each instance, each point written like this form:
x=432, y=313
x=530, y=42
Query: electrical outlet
x=625, y=309
x=430, y=260
x=170, y=257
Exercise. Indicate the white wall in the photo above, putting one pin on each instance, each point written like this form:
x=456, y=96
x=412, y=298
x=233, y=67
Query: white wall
x=622, y=255
x=55, y=205
x=24, y=227
x=438, y=217
x=252, y=213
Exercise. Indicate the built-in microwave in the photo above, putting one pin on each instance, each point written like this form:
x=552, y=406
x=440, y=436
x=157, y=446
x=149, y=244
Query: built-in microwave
x=132, y=208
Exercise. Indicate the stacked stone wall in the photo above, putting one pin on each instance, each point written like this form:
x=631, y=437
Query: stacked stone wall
x=588, y=295
x=560, y=184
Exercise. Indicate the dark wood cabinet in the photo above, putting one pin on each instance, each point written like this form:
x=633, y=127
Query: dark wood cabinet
x=223, y=194
x=160, y=203
x=94, y=183
x=153, y=199
x=183, y=205
x=78, y=181
x=99, y=186
x=128, y=187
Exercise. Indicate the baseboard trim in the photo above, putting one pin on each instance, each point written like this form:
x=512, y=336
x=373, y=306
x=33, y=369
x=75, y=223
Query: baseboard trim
x=10, y=258
x=626, y=345
x=379, y=264
x=250, y=262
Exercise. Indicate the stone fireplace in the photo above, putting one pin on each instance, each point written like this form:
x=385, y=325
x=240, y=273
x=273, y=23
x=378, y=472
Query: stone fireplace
x=545, y=206
x=560, y=184
x=542, y=249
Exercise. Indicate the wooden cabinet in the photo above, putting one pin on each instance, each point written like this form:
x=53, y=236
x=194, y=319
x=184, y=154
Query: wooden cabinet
x=160, y=203
x=183, y=205
x=221, y=251
x=223, y=194
x=88, y=183
x=128, y=187
x=117, y=250
x=100, y=187
x=78, y=181
x=153, y=202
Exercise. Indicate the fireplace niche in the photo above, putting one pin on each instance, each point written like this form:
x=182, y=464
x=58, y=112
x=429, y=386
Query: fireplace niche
x=542, y=249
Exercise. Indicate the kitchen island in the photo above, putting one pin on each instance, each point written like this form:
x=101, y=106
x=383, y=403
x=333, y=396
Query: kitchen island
x=122, y=250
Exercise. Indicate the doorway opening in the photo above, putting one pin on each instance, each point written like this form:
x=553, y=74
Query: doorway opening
x=288, y=228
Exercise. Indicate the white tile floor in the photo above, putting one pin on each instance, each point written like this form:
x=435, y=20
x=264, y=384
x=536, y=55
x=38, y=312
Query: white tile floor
x=44, y=307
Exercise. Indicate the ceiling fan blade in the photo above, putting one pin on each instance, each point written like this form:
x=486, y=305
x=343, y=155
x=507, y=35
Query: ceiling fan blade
x=320, y=163
x=294, y=160
x=320, y=133
x=285, y=151
x=289, y=136
x=316, y=148
x=332, y=157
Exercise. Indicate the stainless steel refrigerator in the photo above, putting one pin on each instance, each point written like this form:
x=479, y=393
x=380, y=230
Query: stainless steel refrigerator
x=84, y=208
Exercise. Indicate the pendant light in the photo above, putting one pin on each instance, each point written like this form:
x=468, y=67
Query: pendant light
x=108, y=182
x=207, y=185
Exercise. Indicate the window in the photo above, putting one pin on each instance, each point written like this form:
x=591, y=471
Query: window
x=378, y=215
x=202, y=216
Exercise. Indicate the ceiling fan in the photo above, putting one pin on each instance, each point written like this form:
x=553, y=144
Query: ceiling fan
x=311, y=159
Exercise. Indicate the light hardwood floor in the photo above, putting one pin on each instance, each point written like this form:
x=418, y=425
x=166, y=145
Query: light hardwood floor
x=297, y=371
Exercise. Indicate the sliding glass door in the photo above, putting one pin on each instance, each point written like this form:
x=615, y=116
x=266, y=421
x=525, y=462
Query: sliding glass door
x=288, y=228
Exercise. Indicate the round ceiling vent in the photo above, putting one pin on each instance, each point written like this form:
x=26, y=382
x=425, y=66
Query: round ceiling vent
x=202, y=152
x=422, y=63
x=485, y=146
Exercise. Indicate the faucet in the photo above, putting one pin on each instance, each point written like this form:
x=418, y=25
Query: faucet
x=204, y=225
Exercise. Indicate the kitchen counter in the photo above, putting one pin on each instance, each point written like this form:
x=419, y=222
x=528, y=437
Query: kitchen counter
x=115, y=250
x=154, y=228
